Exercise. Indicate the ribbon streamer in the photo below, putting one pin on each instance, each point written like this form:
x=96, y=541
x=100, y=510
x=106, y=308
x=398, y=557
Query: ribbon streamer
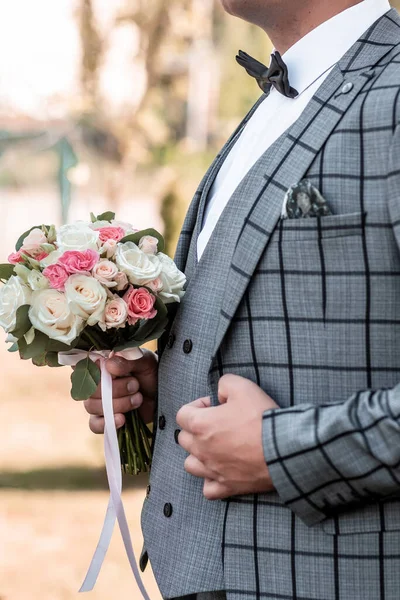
x=115, y=509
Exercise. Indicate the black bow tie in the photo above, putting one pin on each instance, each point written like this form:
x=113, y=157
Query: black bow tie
x=275, y=75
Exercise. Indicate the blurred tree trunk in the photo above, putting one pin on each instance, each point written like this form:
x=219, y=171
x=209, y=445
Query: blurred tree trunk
x=203, y=76
x=92, y=48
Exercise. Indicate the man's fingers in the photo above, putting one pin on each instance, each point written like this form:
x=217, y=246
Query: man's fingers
x=213, y=490
x=121, y=387
x=196, y=468
x=96, y=424
x=120, y=405
x=120, y=367
x=188, y=413
x=185, y=440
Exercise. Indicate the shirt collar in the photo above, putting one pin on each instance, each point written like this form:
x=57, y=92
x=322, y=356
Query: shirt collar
x=325, y=45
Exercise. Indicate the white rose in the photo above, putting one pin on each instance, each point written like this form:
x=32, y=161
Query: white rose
x=77, y=236
x=51, y=314
x=86, y=297
x=141, y=268
x=13, y=294
x=33, y=241
x=106, y=272
x=172, y=279
x=116, y=314
x=37, y=281
x=148, y=244
x=51, y=259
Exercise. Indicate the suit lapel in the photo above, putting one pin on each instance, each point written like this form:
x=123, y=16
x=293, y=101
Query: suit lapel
x=194, y=217
x=301, y=144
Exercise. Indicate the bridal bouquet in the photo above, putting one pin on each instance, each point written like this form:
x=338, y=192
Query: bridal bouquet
x=77, y=294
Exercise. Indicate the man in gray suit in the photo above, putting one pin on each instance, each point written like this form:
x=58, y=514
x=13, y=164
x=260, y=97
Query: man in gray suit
x=281, y=367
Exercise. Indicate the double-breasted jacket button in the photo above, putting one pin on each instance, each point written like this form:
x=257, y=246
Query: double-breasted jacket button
x=167, y=510
x=187, y=346
x=148, y=489
x=161, y=422
x=176, y=435
x=171, y=340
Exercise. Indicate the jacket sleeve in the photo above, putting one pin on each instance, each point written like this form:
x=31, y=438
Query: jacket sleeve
x=324, y=458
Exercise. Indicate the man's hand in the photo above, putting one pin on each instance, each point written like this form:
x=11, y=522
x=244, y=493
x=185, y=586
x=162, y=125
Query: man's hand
x=225, y=442
x=134, y=386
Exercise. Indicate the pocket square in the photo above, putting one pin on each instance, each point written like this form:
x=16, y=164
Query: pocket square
x=304, y=200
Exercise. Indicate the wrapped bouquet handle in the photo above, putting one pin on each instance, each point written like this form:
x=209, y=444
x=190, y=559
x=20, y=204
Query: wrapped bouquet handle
x=115, y=509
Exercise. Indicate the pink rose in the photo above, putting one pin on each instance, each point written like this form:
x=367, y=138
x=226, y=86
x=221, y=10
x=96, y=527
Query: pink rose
x=148, y=244
x=76, y=261
x=57, y=275
x=115, y=315
x=111, y=233
x=15, y=258
x=106, y=271
x=121, y=280
x=156, y=285
x=140, y=303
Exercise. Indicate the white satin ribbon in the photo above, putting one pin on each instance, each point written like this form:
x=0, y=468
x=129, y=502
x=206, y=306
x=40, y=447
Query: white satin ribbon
x=115, y=509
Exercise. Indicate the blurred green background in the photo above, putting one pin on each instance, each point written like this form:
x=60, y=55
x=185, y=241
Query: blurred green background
x=104, y=105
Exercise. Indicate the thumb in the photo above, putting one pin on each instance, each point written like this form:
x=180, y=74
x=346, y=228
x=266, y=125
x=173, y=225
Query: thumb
x=227, y=386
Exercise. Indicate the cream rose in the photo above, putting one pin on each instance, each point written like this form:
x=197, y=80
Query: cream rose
x=51, y=314
x=33, y=241
x=141, y=268
x=37, y=281
x=148, y=244
x=109, y=248
x=115, y=315
x=106, y=272
x=78, y=236
x=173, y=280
x=13, y=294
x=86, y=297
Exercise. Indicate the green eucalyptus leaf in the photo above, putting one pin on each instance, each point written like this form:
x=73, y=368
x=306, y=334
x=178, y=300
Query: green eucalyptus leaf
x=106, y=216
x=85, y=379
x=13, y=348
x=39, y=360
x=52, y=360
x=36, y=349
x=6, y=271
x=56, y=346
x=93, y=217
x=23, y=323
x=136, y=237
x=21, y=239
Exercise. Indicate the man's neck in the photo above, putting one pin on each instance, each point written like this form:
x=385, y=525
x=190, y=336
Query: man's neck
x=285, y=30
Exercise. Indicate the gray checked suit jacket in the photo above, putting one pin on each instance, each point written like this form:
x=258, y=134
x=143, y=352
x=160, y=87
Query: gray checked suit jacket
x=309, y=310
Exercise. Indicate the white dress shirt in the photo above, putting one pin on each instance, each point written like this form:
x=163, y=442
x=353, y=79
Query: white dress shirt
x=309, y=62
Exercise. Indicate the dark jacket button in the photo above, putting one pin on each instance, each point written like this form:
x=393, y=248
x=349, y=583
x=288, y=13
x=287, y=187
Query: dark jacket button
x=187, y=346
x=176, y=435
x=162, y=422
x=144, y=559
x=148, y=490
x=171, y=340
x=167, y=510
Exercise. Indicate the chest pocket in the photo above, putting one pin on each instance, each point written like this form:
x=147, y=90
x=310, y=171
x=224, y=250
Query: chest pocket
x=314, y=260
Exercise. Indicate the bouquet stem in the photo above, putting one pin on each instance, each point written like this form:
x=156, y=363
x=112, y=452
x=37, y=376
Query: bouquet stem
x=134, y=444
